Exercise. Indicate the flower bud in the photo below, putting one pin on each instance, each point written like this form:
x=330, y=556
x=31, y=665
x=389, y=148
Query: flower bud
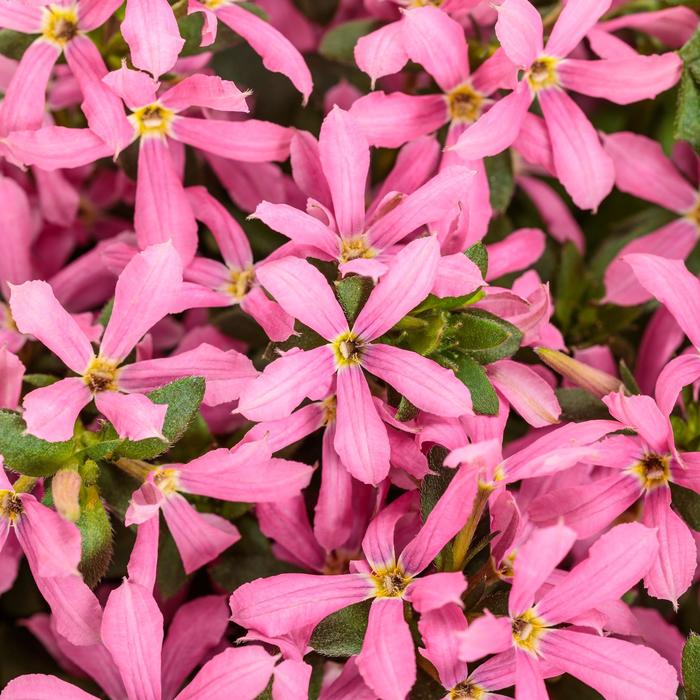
x=65, y=487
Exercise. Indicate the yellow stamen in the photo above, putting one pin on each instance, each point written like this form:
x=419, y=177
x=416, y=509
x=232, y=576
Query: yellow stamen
x=59, y=24
x=347, y=348
x=694, y=214
x=166, y=480
x=527, y=629
x=465, y=104
x=354, y=248
x=329, y=409
x=152, y=120
x=10, y=506
x=390, y=582
x=652, y=471
x=543, y=73
x=241, y=282
x=467, y=690
x=101, y=375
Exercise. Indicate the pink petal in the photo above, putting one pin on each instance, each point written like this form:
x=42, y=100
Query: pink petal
x=132, y=631
x=150, y=29
x=51, y=411
x=672, y=572
x=422, y=381
x=286, y=602
x=134, y=416
x=277, y=52
x=622, y=80
x=498, y=128
x=436, y=41
x=673, y=26
x=37, y=312
x=277, y=324
x=285, y=383
x=436, y=591
x=145, y=503
x=613, y=667
x=573, y=24
x=135, y=87
x=17, y=231
x=205, y=91
x=200, y=537
x=671, y=283
x=37, y=686
x=360, y=439
x=306, y=167
x=250, y=141
x=283, y=432
x=20, y=16
x=679, y=372
x=387, y=660
x=304, y=293
x=519, y=29
x=143, y=561
x=582, y=165
x=291, y=680
x=344, y=154
x=518, y=251
x=529, y=684
x=485, y=635
x=456, y=276
x=616, y=561
x=94, y=13
x=378, y=542
x=439, y=629
x=662, y=337
x=11, y=374
x=642, y=415
x=162, y=210
x=247, y=669
x=381, y=52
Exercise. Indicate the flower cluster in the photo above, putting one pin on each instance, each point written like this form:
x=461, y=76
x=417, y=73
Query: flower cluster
x=390, y=309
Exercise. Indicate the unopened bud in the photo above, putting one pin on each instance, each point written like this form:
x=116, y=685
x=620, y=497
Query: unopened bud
x=65, y=488
x=593, y=380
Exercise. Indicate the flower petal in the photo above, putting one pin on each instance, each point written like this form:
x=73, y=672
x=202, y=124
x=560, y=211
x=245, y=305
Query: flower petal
x=51, y=411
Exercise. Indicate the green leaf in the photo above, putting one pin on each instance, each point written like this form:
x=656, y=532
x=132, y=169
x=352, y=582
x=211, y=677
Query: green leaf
x=352, y=293
x=687, y=119
x=447, y=303
x=405, y=411
x=473, y=375
x=116, y=488
x=579, y=405
x=183, y=397
x=39, y=380
x=426, y=337
x=478, y=254
x=687, y=503
x=27, y=454
x=13, y=44
x=106, y=313
x=499, y=171
x=481, y=335
x=338, y=44
x=691, y=667
x=342, y=632
x=96, y=533
x=170, y=574
x=628, y=379
x=571, y=283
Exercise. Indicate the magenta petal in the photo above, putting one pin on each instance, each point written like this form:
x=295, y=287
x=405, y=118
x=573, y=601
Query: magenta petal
x=134, y=416
x=51, y=411
x=387, y=660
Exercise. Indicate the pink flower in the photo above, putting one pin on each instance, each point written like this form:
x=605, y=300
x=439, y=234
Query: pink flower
x=361, y=439
x=579, y=160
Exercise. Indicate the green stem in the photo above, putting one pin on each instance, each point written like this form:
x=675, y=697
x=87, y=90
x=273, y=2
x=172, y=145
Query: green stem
x=465, y=536
x=24, y=484
x=134, y=467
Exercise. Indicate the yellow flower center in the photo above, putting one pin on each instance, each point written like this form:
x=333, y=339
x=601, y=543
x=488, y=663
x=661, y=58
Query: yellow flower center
x=6, y=320
x=465, y=104
x=543, y=73
x=152, y=120
x=166, y=480
x=10, y=506
x=466, y=690
x=59, y=24
x=527, y=629
x=241, y=282
x=347, y=348
x=652, y=471
x=329, y=409
x=426, y=3
x=354, y=248
x=390, y=582
x=694, y=214
x=214, y=4
x=101, y=375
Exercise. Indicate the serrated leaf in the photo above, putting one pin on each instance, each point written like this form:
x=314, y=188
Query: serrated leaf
x=579, y=405
x=691, y=667
x=27, y=454
x=13, y=44
x=96, y=535
x=342, y=632
x=39, y=380
x=687, y=503
x=481, y=335
x=447, y=303
x=473, y=376
x=499, y=171
x=338, y=44
x=478, y=254
x=352, y=293
x=687, y=119
x=426, y=337
x=183, y=397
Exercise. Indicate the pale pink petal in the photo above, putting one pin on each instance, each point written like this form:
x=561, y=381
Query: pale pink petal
x=285, y=383
x=132, y=631
x=381, y=52
x=642, y=415
x=134, y=416
x=17, y=231
x=582, y=165
x=672, y=572
x=303, y=292
x=422, y=381
x=622, y=80
x=277, y=52
x=436, y=591
x=675, y=240
x=387, y=660
x=150, y=29
x=615, y=668
x=162, y=210
x=436, y=41
x=439, y=630
x=498, y=128
x=37, y=686
x=143, y=296
x=360, y=439
x=676, y=288
x=11, y=374
x=247, y=669
x=200, y=537
x=616, y=561
x=277, y=324
x=37, y=312
x=278, y=604
x=573, y=24
x=679, y=372
x=344, y=154
x=205, y=91
x=250, y=141
x=519, y=29
x=51, y=411
x=145, y=503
